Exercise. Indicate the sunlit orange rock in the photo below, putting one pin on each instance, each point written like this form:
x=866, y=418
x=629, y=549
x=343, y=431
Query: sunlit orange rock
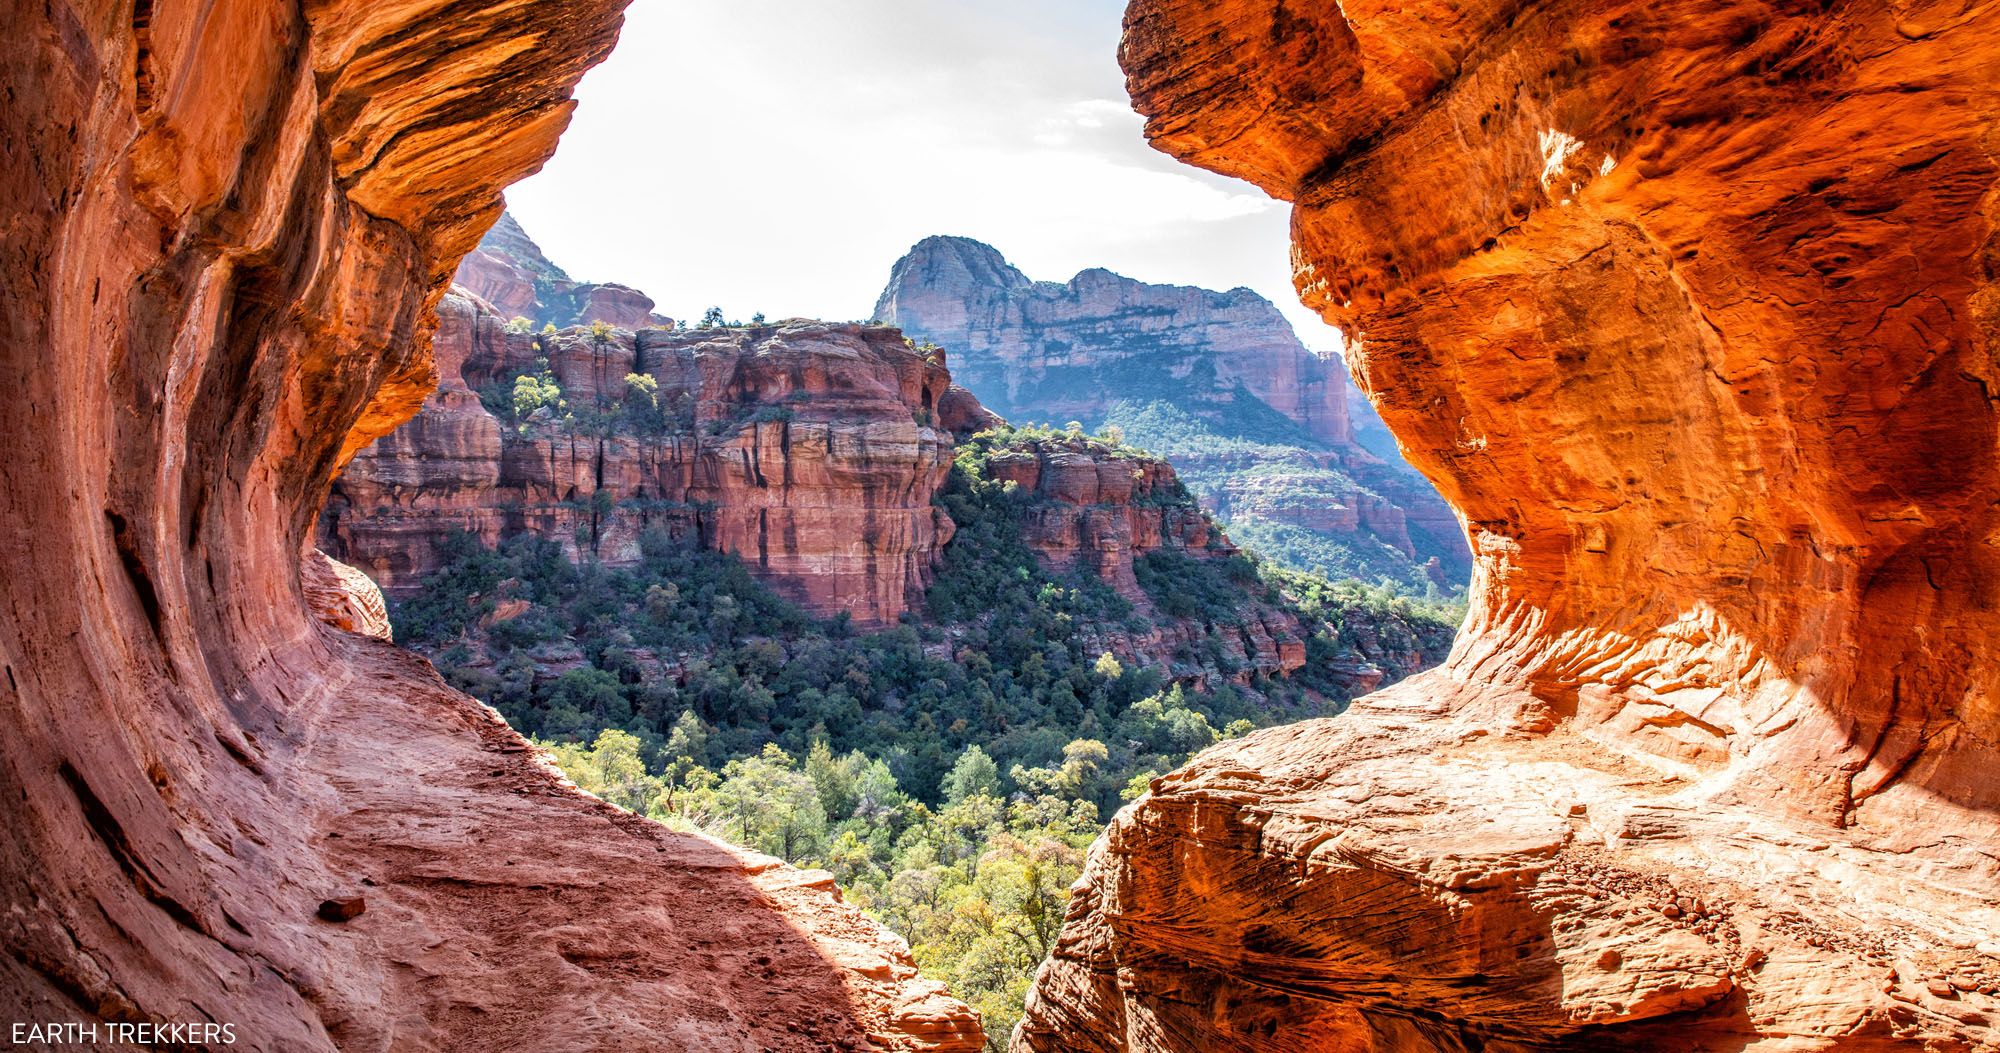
x=226, y=224
x=344, y=597
x=1689, y=309
x=812, y=450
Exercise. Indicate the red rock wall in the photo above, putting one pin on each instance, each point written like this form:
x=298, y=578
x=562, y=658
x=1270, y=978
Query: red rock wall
x=1095, y=347
x=1689, y=309
x=226, y=225
x=811, y=450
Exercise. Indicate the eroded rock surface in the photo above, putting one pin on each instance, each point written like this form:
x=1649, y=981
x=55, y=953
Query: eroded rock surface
x=812, y=450
x=227, y=224
x=1689, y=309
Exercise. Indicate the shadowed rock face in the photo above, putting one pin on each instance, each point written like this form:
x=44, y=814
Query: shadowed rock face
x=811, y=450
x=1689, y=309
x=1090, y=509
x=227, y=224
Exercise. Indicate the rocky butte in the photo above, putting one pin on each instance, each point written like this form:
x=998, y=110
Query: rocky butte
x=1690, y=310
x=1259, y=426
x=812, y=450
x=228, y=226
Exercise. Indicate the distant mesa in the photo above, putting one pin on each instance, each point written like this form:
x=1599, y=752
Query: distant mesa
x=1271, y=437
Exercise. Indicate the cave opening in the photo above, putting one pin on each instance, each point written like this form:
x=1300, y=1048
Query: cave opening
x=1688, y=321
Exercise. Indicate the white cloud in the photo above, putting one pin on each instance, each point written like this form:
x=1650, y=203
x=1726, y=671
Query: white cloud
x=779, y=156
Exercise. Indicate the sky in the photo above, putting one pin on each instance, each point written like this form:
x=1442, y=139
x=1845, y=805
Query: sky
x=780, y=155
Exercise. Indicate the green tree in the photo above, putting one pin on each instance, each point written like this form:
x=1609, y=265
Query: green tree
x=534, y=391
x=611, y=768
x=771, y=805
x=974, y=774
x=835, y=779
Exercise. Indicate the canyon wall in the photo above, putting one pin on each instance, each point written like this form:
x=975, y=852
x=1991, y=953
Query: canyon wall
x=1258, y=425
x=811, y=450
x=227, y=225
x=1689, y=309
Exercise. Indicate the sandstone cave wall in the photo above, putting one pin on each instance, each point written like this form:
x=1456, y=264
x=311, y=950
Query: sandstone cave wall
x=1687, y=308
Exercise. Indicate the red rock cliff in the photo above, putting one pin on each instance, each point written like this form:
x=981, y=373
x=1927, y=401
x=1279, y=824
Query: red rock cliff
x=1690, y=310
x=227, y=225
x=812, y=450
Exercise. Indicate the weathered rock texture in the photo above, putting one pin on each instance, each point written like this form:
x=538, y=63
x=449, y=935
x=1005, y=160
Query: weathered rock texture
x=1258, y=424
x=226, y=225
x=343, y=597
x=812, y=450
x=509, y=271
x=1689, y=308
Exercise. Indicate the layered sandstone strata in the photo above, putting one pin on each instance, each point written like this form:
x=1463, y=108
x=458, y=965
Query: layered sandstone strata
x=227, y=225
x=1689, y=309
x=812, y=450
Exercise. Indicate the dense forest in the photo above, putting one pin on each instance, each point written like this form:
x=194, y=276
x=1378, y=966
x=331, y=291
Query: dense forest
x=948, y=771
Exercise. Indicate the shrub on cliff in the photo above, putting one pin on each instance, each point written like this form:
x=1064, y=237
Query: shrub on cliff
x=533, y=392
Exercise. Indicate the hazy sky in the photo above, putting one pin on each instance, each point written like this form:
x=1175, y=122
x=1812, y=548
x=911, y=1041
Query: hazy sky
x=779, y=155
